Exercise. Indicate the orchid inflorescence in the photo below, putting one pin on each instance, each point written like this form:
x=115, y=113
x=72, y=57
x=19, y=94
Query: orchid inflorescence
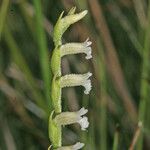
x=58, y=118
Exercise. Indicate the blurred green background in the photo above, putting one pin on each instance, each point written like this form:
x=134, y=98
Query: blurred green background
x=120, y=97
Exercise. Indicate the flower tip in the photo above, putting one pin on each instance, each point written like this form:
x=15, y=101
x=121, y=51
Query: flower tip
x=87, y=42
x=61, y=15
x=84, y=12
x=88, y=87
x=82, y=111
x=88, y=51
x=89, y=74
x=78, y=145
x=88, y=57
x=84, y=123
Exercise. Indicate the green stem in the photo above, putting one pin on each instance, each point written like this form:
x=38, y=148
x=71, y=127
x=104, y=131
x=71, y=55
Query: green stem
x=116, y=139
x=103, y=125
x=91, y=135
x=144, y=83
x=103, y=106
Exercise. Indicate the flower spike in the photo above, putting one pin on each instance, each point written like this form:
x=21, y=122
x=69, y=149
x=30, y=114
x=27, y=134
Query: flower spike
x=67, y=118
x=76, y=146
x=76, y=48
x=58, y=118
x=77, y=80
x=63, y=23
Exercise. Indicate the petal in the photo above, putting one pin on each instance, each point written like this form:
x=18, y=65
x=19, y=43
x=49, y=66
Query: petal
x=82, y=111
x=88, y=53
x=87, y=42
x=87, y=86
x=84, y=123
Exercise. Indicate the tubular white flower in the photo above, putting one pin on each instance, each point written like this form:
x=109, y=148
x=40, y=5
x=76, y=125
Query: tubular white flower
x=76, y=48
x=77, y=80
x=66, y=118
x=76, y=146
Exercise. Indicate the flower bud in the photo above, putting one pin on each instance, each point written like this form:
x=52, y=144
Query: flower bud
x=63, y=23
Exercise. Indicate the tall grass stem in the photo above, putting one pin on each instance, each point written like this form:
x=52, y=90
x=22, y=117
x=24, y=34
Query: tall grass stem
x=43, y=51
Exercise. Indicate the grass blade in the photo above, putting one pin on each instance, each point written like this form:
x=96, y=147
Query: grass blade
x=43, y=50
x=3, y=13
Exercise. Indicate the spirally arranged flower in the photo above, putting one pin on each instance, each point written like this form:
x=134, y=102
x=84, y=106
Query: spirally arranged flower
x=76, y=48
x=58, y=118
x=66, y=118
x=77, y=80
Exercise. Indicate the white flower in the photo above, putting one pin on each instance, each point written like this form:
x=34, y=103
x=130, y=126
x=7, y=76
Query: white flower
x=66, y=118
x=77, y=80
x=88, y=49
x=84, y=123
x=76, y=48
x=76, y=146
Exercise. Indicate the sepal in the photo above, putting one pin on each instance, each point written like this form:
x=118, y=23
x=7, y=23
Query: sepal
x=54, y=132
